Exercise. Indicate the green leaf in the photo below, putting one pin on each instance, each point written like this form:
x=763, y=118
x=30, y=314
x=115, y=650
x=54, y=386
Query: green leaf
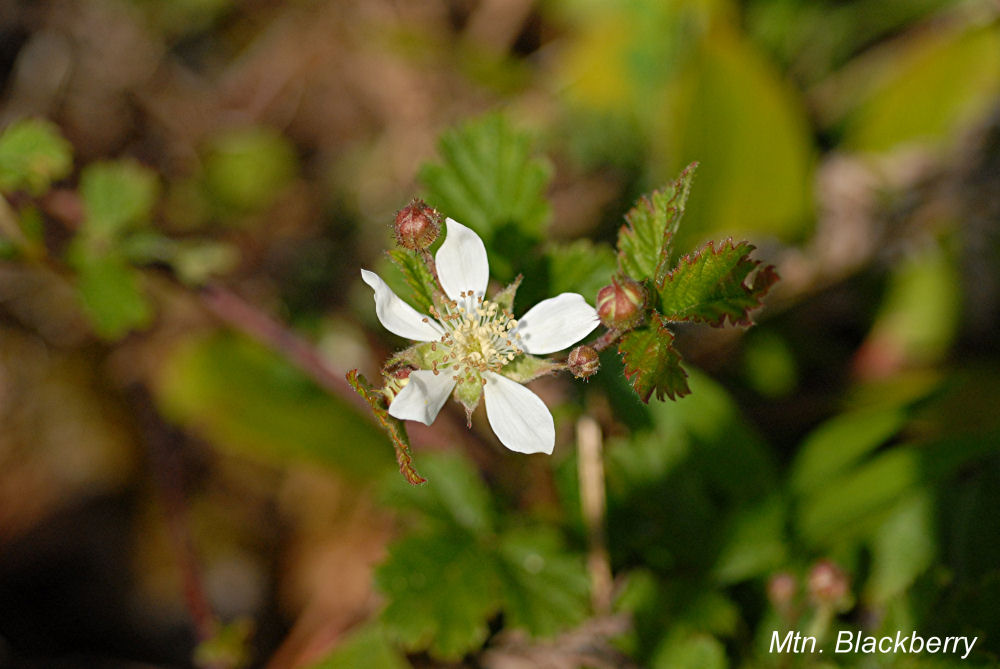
x=714, y=285
x=32, y=155
x=456, y=496
x=116, y=195
x=544, y=589
x=393, y=426
x=111, y=295
x=366, y=647
x=488, y=178
x=651, y=362
x=755, y=542
x=836, y=445
x=645, y=243
x=903, y=548
x=248, y=401
x=246, y=169
x=441, y=590
x=930, y=86
x=580, y=267
x=418, y=278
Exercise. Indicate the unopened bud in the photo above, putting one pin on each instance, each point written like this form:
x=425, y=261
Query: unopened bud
x=621, y=305
x=828, y=584
x=417, y=225
x=781, y=589
x=583, y=361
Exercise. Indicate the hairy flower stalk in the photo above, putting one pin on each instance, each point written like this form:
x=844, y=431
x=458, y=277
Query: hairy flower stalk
x=474, y=348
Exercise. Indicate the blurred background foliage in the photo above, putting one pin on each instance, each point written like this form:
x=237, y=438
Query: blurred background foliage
x=190, y=187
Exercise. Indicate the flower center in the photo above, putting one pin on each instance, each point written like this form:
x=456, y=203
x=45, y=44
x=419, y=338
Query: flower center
x=480, y=336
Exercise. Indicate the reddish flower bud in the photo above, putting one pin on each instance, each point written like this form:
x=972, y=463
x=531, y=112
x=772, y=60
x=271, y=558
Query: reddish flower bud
x=621, y=305
x=583, y=361
x=828, y=584
x=417, y=225
x=781, y=589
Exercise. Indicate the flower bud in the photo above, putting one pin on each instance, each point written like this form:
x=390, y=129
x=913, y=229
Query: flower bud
x=583, y=361
x=620, y=306
x=417, y=225
x=828, y=584
x=781, y=589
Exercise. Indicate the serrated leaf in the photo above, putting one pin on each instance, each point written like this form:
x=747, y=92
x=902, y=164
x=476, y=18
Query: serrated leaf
x=111, y=295
x=33, y=154
x=652, y=364
x=116, y=195
x=544, y=588
x=580, y=267
x=645, y=242
x=713, y=285
x=441, y=589
x=417, y=276
x=393, y=426
x=487, y=178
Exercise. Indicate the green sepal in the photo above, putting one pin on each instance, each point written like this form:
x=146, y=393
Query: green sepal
x=418, y=278
x=505, y=298
x=525, y=368
x=714, y=285
x=468, y=392
x=646, y=242
x=652, y=364
x=393, y=426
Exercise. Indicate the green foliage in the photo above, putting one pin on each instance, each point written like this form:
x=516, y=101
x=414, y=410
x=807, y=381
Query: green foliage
x=579, y=267
x=366, y=647
x=713, y=285
x=488, y=179
x=651, y=362
x=33, y=154
x=247, y=168
x=111, y=294
x=645, y=244
x=247, y=400
x=463, y=565
x=116, y=196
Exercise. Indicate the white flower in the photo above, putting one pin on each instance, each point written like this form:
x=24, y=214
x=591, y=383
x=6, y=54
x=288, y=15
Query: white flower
x=474, y=339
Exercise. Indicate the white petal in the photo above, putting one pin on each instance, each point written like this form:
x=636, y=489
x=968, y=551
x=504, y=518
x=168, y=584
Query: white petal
x=422, y=396
x=397, y=316
x=556, y=323
x=461, y=262
x=520, y=419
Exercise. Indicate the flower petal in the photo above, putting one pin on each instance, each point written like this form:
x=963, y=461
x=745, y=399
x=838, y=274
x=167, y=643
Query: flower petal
x=518, y=416
x=422, y=397
x=397, y=316
x=556, y=323
x=461, y=262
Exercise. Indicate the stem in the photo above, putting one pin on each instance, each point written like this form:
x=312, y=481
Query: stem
x=590, y=463
x=606, y=340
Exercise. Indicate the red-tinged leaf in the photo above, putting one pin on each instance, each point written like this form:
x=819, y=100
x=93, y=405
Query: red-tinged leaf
x=645, y=243
x=652, y=364
x=391, y=425
x=712, y=285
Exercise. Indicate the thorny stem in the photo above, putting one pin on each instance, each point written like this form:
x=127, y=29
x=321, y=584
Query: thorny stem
x=590, y=465
x=606, y=340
